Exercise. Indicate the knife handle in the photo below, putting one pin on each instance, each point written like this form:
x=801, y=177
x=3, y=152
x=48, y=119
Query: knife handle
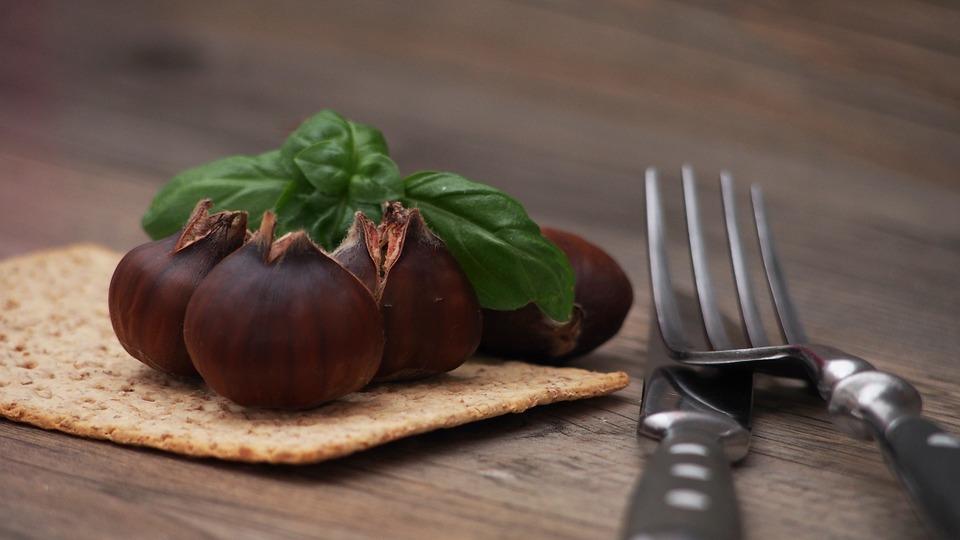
x=927, y=460
x=686, y=491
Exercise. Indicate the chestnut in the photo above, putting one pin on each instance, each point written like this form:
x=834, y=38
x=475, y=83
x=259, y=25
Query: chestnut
x=602, y=298
x=431, y=314
x=152, y=284
x=529, y=334
x=281, y=324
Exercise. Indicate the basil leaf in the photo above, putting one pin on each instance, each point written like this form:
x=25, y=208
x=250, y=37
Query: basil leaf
x=327, y=125
x=251, y=183
x=502, y=251
x=343, y=167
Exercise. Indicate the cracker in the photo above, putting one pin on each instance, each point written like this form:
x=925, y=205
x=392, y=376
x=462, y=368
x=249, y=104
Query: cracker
x=62, y=368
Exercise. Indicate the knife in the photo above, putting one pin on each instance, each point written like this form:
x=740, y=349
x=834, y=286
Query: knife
x=702, y=419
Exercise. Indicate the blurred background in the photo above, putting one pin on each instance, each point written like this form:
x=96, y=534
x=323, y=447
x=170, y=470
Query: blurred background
x=562, y=103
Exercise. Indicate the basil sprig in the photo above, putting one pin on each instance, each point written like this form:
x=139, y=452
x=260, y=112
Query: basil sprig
x=330, y=168
x=343, y=167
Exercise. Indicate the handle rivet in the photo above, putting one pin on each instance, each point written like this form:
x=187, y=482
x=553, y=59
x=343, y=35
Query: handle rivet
x=690, y=470
x=689, y=449
x=687, y=499
x=943, y=440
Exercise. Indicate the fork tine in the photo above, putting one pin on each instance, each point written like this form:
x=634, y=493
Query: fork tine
x=756, y=335
x=789, y=321
x=664, y=298
x=712, y=320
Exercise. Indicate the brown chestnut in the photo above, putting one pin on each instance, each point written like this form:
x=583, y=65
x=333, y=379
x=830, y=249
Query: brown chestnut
x=152, y=284
x=602, y=298
x=281, y=324
x=528, y=333
x=431, y=314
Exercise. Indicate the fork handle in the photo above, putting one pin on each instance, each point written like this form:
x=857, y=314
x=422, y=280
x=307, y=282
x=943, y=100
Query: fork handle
x=923, y=455
x=927, y=460
x=686, y=491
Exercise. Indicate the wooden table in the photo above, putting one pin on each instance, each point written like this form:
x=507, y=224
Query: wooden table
x=847, y=113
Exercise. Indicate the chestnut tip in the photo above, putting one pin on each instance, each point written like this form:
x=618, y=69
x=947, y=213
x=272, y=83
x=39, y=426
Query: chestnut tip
x=361, y=254
x=222, y=227
x=264, y=235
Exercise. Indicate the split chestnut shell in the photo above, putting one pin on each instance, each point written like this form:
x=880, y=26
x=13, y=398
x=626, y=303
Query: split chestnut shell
x=281, y=324
x=152, y=284
x=431, y=314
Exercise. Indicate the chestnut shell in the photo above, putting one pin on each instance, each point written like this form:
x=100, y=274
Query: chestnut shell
x=602, y=289
x=430, y=311
x=283, y=325
x=431, y=314
x=528, y=333
x=153, y=283
x=602, y=298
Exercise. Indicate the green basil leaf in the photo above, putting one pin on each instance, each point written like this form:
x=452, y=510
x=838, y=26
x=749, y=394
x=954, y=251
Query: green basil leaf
x=343, y=167
x=503, y=253
x=327, y=125
x=251, y=183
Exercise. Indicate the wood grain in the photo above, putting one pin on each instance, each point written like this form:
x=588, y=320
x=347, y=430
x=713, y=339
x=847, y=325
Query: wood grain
x=847, y=113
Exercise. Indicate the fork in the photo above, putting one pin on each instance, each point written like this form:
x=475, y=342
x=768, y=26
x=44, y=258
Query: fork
x=863, y=401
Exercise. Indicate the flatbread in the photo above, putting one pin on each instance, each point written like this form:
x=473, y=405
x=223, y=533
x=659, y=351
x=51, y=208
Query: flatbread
x=62, y=368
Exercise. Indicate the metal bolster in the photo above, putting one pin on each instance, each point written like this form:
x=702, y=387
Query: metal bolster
x=828, y=366
x=862, y=401
x=734, y=438
x=867, y=403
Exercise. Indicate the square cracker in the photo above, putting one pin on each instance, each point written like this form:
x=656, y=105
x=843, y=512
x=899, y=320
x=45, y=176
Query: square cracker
x=62, y=368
